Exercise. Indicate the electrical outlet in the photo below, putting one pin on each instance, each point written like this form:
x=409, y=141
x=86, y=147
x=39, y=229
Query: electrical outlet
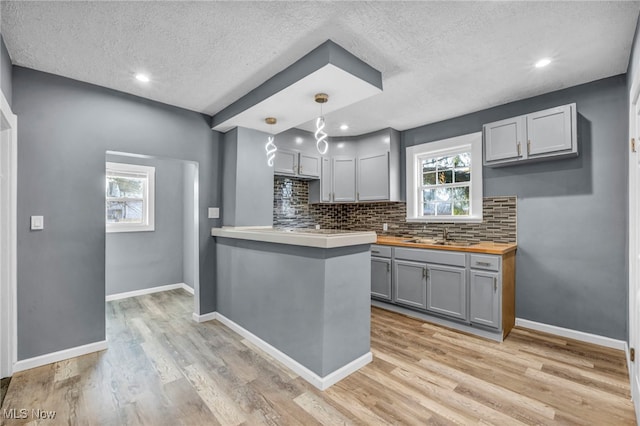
x=317, y=226
x=385, y=227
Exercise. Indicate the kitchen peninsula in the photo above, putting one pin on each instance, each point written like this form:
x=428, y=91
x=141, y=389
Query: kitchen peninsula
x=303, y=296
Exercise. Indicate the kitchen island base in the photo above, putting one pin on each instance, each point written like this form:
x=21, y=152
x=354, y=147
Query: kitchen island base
x=308, y=307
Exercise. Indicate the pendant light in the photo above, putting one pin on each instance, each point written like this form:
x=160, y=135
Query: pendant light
x=320, y=135
x=270, y=147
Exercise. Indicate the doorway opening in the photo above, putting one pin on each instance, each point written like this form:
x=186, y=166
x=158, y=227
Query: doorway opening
x=165, y=255
x=634, y=239
x=8, y=241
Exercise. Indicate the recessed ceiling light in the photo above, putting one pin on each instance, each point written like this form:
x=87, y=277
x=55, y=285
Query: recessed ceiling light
x=299, y=140
x=142, y=77
x=344, y=127
x=340, y=145
x=543, y=62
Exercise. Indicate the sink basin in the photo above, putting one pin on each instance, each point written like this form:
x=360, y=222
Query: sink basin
x=459, y=243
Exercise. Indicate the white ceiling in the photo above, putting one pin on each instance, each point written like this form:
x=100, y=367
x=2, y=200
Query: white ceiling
x=438, y=59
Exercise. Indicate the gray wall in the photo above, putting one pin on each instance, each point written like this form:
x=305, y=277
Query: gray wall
x=6, y=70
x=247, y=179
x=572, y=258
x=65, y=128
x=634, y=57
x=139, y=260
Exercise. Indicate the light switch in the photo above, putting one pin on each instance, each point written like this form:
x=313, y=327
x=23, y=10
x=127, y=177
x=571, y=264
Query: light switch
x=214, y=213
x=37, y=223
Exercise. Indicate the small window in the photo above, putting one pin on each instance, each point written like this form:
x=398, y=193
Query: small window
x=444, y=180
x=129, y=198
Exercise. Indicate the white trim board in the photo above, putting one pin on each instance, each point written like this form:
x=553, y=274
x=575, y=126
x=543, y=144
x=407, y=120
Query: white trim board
x=45, y=359
x=321, y=383
x=150, y=290
x=205, y=317
x=573, y=334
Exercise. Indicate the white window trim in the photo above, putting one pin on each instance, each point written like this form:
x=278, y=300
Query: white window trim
x=149, y=222
x=471, y=142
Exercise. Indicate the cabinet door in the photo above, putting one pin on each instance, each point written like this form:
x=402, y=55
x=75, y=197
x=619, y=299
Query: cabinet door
x=410, y=283
x=285, y=162
x=549, y=131
x=373, y=177
x=326, y=180
x=381, y=278
x=503, y=140
x=484, y=296
x=309, y=165
x=344, y=179
x=447, y=291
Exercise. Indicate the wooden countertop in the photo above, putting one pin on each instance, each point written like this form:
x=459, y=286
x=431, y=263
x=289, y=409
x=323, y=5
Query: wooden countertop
x=486, y=247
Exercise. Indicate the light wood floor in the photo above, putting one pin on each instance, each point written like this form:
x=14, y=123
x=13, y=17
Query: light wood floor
x=163, y=369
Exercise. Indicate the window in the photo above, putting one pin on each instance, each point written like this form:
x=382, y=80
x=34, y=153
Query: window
x=129, y=198
x=444, y=180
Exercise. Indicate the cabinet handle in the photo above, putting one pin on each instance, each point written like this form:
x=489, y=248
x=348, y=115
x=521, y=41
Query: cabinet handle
x=357, y=196
x=300, y=169
x=375, y=251
x=388, y=267
x=495, y=284
x=424, y=272
x=528, y=147
x=518, y=149
x=483, y=263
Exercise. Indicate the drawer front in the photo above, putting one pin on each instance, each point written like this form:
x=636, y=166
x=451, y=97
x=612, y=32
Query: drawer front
x=380, y=251
x=432, y=256
x=482, y=261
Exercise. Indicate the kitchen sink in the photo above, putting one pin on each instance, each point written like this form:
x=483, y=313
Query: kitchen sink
x=459, y=243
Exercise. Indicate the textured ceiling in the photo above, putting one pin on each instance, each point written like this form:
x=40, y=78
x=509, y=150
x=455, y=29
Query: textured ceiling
x=438, y=59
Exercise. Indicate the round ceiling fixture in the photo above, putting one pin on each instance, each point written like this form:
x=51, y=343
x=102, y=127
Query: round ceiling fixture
x=543, y=62
x=270, y=120
x=322, y=98
x=142, y=77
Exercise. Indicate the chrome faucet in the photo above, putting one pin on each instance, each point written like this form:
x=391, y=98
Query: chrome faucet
x=445, y=234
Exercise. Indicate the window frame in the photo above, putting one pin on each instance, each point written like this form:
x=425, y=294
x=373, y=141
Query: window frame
x=415, y=154
x=148, y=198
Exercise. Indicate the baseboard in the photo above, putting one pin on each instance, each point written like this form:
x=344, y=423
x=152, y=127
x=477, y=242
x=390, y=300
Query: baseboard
x=150, y=290
x=321, y=383
x=573, y=334
x=41, y=360
x=206, y=317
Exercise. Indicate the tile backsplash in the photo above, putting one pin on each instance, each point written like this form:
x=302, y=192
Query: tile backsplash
x=291, y=209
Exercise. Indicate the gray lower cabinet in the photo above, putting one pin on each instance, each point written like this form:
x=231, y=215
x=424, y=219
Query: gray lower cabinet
x=485, y=307
x=410, y=283
x=380, y=278
x=447, y=291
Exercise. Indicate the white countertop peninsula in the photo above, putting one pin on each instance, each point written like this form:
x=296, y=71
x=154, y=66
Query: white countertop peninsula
x=320, y=238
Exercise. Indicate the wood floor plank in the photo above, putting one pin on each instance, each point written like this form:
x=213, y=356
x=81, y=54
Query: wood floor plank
x=162, y=368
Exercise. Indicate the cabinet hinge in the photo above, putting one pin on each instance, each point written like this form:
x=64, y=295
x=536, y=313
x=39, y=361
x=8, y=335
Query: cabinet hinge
x=633, y=145
x=632, y=354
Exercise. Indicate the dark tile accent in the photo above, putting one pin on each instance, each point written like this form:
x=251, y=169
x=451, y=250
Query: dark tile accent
x=291, y=209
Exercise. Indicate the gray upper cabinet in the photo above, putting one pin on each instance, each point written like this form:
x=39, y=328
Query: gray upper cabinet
x=548, y=134
x=326, y=180
x=503, y=139
x=285, y=163
x=410, y=283
x=447, y=291
x=485, y=307
x=309, y=165
x=373, y=177
x=344, y=179
x=376, y=169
